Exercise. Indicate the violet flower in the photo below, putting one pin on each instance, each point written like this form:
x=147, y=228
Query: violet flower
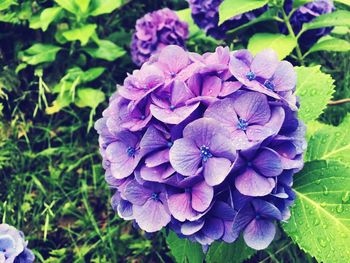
x=156, y=30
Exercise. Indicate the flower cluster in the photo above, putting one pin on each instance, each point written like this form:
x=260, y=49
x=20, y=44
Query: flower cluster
x=13, y=247
x=306, y=14
x=156, y=30
x=205, y=145
x=205, y=14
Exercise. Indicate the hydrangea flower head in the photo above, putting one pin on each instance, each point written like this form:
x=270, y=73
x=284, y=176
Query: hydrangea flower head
x=205, y=14
x=306, y=14
x=13, y=247
x=205, y=145
x=156, y=30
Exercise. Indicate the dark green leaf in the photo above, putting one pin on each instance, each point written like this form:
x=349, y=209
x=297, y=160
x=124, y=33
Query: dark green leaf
x=320, y=222
x=236, y=252
x=184, y=250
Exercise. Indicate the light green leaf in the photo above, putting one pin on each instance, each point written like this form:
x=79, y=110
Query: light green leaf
x=345, y=2
x=340, y=30
x=63, y=100
x=231, y=8
x=106, y=50
x=48, y=16
x=39, y=53
x=82, y=34
x=333, y=44
x=184, y=250
x=89, y=97
x=99, y=7
x=282, y=44
x=92, y=74
x=298, y=3
x=313, y=127
x=336, y=18
x=4, y=4
x=229, y=253
x=320, y=222
x=315, y=90
x=69, y=5
x=83, y=5
x=330, y=143
x=185, y=15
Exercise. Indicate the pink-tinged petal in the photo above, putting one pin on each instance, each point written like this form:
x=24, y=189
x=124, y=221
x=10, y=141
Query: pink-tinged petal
x=136, y=124
x=216, y=170
x=229, y=87
x=239, y=69
x=195, y=84
x=240, y=140
x=157, y=158
x=276, y=121
x=203, y=130
x=259, y=233
x=222, y=146
x=152, y=216
x=265, y=63
x=157, y=174
x=174, y=116
x=211, y=86
x=230, y=235
x=268, y=163
x=173, y=58
x=253, y=108
x=180, y=206
x=285, y=77
x=213, y=228
x=187, y=72
x=252, y=184
x=136, y=194
x=185, y=157
x=296, y=163
x=180, y=93
x=244, y=55
x=190, y=228
x=202, y=195
x=224, y=112
x=258, y=132
x=259, y=87
x=152, y=140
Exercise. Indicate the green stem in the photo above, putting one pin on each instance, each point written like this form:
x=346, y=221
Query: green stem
x=291, y=32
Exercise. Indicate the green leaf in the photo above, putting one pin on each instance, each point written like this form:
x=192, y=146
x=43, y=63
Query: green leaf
x=185, y=15
x=48, y=16
x=236, y=252
x=330, y=143
x=282, y=44
x=63, y=100
x=298, y=3
x=39, y=53
x=83, y=5
x=313, y=127
x=231, y=8
x=89, y=97
x=69, y=5
x=92, y=74
x=4, y=4
x=82, y=34
x=315, y=90
x=336, y=18
x=184, y=250
x=333, y=44
x=345, y=2
x=320, y=222
x=99, y=7
x=106, y=50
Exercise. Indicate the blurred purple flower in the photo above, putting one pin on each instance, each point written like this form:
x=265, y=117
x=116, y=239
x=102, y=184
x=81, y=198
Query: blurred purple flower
x=13, y=247
x=306, y=14
x=205, y=13
x=205, y=145
x=156, y=30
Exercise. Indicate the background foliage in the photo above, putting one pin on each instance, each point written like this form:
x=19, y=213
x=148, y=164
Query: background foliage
x=60, y=61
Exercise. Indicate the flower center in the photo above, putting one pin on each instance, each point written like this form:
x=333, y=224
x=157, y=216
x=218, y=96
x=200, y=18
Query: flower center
x=250, y=76
x=172, y=107
x=258, y=216
x=242, y=124
x=169, y=144
x=268, y=84
x=172, y=74
x=131, y=151
x=143, y=117
x=155, y=196
x=205, y=153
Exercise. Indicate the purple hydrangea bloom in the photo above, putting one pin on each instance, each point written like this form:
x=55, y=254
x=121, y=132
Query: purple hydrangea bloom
x=13, y=247
x=155, y=31
x=306, y=14
x=205, y=14
x=205, y=145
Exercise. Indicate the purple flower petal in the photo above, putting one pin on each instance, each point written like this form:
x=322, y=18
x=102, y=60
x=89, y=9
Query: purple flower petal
x=223, y=211
x=259, y=234
x=152, y=216
x=185, y=157
x=189, y=228
x=180, y=206
x=265, y=63
x=213, y=228
x=173, y=59
x=216, y=170
x=266, y=209
x=211, y=86
x=180, y=93
x=157, y=174
x=202, y=195
x=229, y=87
x=136, y=193
x=153, y=139
x=268, y=163
x=173, y=116
x=285, y=77
x=157, y=158
x=251, y=183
